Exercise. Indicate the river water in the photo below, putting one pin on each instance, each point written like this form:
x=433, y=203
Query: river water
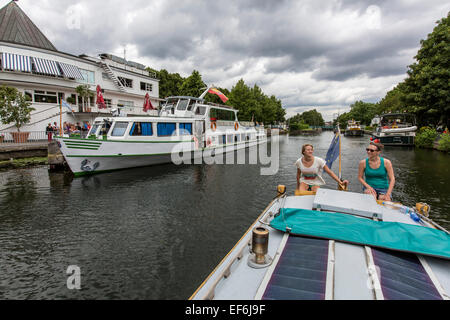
x=157, y=232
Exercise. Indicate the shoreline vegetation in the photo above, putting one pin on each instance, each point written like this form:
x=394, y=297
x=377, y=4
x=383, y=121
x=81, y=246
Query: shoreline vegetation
x=23, y=163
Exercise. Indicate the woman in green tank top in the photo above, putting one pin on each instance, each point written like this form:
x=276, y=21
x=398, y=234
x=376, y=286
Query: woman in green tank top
x=376, y=173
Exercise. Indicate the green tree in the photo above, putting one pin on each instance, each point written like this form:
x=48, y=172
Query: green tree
x=313, y=118
x=169, y=84
x=426, y=89
x=14, y=107
x=359, y=111
x=392, y=102
x=193, y=85
x=242, y=98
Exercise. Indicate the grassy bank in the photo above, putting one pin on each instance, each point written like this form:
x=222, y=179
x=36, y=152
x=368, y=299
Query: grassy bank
x=23, y=163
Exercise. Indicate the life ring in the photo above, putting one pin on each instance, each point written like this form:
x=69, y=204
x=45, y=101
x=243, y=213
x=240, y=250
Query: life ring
x=208, y=141
x=236, y=126
x=213, y=126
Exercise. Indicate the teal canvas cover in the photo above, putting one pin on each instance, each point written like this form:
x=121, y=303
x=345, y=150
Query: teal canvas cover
x=348, y=228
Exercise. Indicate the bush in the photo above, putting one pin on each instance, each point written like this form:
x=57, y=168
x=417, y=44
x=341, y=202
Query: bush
x=444, y=142
x=425, y=137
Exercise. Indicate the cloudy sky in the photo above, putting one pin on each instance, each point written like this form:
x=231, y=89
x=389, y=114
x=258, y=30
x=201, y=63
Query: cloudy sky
x=323, y=54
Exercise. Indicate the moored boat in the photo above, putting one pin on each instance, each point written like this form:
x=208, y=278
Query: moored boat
x=353, y=129
x=395, y=129
x=186, y=128
x=334, y=245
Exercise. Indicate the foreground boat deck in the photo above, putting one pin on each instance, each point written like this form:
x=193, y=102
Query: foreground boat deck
x=312, y=268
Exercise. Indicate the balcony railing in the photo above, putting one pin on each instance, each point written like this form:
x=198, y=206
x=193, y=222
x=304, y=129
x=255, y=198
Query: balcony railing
x=15, y=137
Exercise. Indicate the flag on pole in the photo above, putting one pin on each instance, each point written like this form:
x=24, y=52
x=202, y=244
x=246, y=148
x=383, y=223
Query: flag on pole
x=220, y=94
x=65, y=104
x=333, y=150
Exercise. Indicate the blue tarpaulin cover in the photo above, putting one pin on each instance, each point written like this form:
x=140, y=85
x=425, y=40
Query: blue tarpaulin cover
x=348, y=228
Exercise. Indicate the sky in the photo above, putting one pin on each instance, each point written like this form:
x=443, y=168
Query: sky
x=318, y=54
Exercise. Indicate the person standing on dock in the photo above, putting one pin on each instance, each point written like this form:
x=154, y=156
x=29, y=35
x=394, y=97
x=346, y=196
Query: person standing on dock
x=309, y=171
x=49, y=131
x=378, y=172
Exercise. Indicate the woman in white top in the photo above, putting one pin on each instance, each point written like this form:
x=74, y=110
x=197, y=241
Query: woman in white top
x=309, y=171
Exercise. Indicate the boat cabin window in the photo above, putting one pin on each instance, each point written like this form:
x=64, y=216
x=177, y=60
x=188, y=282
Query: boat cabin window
x=119, y=128
x=171, y=103
x=141, y=129
x=230, y=138
x=182, y=105
x=185, y=128
x=191, y=105
x=200, y=111
x=94, y=128
x=221, y=114
x=105, y=127
x=166, y=129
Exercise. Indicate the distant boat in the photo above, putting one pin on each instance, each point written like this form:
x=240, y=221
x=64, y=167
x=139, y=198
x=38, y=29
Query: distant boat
x=395, y=129
x=353, y=129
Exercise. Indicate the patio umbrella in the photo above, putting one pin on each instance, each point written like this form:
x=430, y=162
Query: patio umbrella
x=100, y=101
x=147, y=103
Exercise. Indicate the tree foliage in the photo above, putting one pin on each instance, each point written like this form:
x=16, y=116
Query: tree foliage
x=251, y=102
x=14, y=107
x=426, y=89
x=302, y=121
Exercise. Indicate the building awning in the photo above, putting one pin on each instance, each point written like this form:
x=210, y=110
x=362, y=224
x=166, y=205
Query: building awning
x=16, y=62
x=46, y=66
x=70, y=71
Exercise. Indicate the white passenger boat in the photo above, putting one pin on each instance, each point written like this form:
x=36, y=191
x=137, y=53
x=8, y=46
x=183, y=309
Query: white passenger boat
x=185, y=128
x=395, y=129
x=353, y=129
x=334, y=245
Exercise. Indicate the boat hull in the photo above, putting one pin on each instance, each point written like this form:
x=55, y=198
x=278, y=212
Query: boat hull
x=353, y=133
x=85, y=157
x=395, y=140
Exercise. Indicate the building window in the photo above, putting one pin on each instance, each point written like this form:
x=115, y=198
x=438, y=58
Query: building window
x=141, y=129
x=146, y=86
x=105, y=76
x=126, y=82
x=125, y=104
x=108, y=103
x=45, y=97
x=88, y=76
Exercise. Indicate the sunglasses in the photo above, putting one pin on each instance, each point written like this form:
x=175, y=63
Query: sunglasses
x=371, y=150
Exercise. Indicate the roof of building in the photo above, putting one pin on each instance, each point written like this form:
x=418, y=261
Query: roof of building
x=16, y=27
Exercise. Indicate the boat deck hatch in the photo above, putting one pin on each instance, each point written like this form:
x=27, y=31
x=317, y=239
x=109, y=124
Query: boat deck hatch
x=358, y=204
x=402, y=276
x=301, y=271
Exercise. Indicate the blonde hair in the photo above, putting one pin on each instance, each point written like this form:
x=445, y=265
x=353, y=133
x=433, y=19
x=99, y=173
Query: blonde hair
x=306, y=145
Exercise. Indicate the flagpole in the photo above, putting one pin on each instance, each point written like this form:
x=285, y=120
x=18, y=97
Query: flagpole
x=340, y=160
x=60, y=118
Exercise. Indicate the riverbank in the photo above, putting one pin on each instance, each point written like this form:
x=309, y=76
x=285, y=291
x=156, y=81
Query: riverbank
x=23, y=163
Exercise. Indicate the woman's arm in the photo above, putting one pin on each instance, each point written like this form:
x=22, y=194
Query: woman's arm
x=299, y=173
x=333, y=175
x=390, y=172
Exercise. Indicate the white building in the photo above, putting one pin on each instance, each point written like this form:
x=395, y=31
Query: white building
x=32, y=64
